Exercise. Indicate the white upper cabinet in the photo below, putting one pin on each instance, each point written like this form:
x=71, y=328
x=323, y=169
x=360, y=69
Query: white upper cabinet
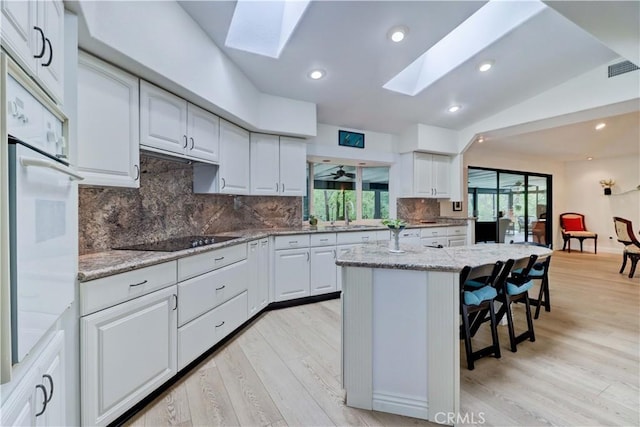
x=265, y=164
x=277, y=166
x=169, y=124
x=426, y=175
x=33, y=33
x=204, y=134
x=293, y=161
x=234, y=159
x=108, y=124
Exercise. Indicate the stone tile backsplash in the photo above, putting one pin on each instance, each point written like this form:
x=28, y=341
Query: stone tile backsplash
x=416, y=210
x=165, y=206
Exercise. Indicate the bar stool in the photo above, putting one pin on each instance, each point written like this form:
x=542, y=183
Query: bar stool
x=539, y=271
x=473, y=302
x=515, y=289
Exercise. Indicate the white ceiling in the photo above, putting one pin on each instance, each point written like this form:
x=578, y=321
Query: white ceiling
x=348, y=39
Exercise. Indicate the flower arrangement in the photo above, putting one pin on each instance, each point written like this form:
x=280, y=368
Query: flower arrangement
x=313, y=221
x=607, y=183
x=394, y=223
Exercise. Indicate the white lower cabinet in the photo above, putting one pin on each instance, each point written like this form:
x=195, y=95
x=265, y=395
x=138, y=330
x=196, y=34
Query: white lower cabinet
x=127, y=351
x=202, y=333
x=39, y=398
x=291, y=268
x=258, y=267
x=323, y=270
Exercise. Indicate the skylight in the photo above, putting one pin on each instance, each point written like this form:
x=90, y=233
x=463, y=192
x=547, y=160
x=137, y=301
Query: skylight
x=480, y=30
x=264, y=27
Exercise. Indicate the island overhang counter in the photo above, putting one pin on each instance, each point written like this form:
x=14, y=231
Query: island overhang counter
x=401, y=328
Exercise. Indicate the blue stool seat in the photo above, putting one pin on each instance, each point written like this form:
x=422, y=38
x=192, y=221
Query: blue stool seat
x=476, y=297
x=537, y=271
x=514, y=289
x=474, y=283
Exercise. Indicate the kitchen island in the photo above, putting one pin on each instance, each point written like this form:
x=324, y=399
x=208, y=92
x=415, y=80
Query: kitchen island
x=400, y=325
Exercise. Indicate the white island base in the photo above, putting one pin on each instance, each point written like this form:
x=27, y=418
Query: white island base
x=400, y=341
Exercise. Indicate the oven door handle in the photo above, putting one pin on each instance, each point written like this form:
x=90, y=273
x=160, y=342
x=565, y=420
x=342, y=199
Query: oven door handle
x=29, y=161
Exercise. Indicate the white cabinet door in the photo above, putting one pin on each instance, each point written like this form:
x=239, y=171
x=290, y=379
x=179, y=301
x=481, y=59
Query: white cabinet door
x=21, y=407
x=127, y=351
x=263, y=274
x=265, y=165
x=18, y=32
x=163, y=119
x=422, y=182
x=50, y=68
x=108, y=124
x=253, y=264
x=323, y=270
x=293, y=175
x=441, y=175
x=203, y=132
x=291, y=273
x=234, y=159
x=53, y=381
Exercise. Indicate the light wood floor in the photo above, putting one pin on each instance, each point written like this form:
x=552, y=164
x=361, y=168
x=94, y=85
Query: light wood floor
x=284, y=369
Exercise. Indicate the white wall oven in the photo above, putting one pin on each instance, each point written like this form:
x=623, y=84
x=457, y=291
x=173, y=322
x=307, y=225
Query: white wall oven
x=42, y=217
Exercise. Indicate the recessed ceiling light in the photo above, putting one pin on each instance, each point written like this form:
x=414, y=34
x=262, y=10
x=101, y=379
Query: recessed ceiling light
x=485, y=66
x=316, y=74
x=454, y=108
x=397, y=34
x=589, y=158
x=600, y=126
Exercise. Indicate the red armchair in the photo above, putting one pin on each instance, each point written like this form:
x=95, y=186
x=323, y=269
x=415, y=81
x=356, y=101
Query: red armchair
x=573, y=227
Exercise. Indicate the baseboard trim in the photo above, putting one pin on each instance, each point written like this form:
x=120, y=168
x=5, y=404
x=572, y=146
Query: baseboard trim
x=401, y=405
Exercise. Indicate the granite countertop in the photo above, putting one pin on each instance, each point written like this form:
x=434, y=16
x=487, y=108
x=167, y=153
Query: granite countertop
x=107, y=263
x=436, y=259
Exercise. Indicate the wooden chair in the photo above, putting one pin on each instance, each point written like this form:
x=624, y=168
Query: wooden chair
x=473, y=302
x=515, y=289
x=573, y=227
x=624, y=231
x=539, y=271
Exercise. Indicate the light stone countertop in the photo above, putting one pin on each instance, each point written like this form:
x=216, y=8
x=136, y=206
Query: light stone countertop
x=107, y=263
x=436, y=259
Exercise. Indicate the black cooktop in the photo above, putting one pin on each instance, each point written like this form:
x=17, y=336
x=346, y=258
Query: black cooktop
x=178, y=243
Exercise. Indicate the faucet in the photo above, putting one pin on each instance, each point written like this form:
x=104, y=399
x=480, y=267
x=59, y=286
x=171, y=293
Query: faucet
x=346, y=211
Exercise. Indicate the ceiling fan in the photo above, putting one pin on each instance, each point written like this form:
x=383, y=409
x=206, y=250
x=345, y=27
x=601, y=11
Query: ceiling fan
x=339, y=174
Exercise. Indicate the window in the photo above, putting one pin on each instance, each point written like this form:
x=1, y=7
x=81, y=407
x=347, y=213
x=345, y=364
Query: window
x=337, y=189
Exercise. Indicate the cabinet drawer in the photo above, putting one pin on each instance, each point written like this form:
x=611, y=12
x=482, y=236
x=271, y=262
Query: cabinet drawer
x=410, y=233
x=108, y=291
x=459, y=230
x=434, y=241
x=203, y=263
x=202, y=293
x=292, y=241
x=352, y=237
x=457, y=241
x=433, y=232
x=199, y=335
x=323, y=239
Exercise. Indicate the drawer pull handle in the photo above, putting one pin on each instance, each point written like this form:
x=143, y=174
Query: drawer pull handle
x=219, y=259
x=324, y=240
x=138, y=284
x=176, y=301
x=365, y=239
x=254, y=244
x=293, y=242
x=221, y=288
x=44, y=400
x=48, y=377
x=217, y=326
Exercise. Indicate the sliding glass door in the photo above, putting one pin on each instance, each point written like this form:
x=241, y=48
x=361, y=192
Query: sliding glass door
x=510, y=205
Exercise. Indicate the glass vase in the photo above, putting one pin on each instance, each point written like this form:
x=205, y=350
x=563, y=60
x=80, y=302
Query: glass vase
x=394, y=242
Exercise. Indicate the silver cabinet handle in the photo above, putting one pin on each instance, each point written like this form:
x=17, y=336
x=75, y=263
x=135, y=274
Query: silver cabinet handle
x=48, y=377
x=137, y=172
x=308, y=257
x=185, y=141
x=277, y=186
x=218, y=259
x=138, y=284
x=324, y=240
x=334, y=254
x=293, y=242
x=254, y=244
x=224, y=183
x=217, y=326
x=193, y=143
x=29, y=161
x=283, y=187
x=221, y=288
x=176, y=302
x=44, y=399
